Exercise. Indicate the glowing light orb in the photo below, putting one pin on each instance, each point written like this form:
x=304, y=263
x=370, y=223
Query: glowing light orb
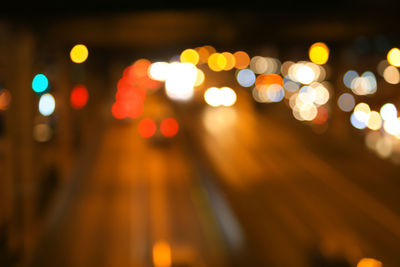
x=290, y=85
x=79, y=96
x=158, y=71
x=162, y=254
x=40, y=83
x=263, y=81
x=246, y=77
x=200, y=77
x=366, y=84
x=369, y=262
x=147, y=127
x=242, y=59
x=393, y=57
x=217, y=62
x=322, y=115
x=5, y=99
x=169, y=127
x=319, y=53
x=346, y=102
x=228, y=97
x=79, y=53
x=224, y=96
x=391, y=75
x=307, y=112
x=190, y=56
x=349, y=77
x=47, y=104
x=388, y=112
x=374, y=121
x=42, y=132
x=357, y=123
x=392, y=126
x=230, y=61
x=305, y=74
x=180, y=80
x=275, y=93
x=212, y=96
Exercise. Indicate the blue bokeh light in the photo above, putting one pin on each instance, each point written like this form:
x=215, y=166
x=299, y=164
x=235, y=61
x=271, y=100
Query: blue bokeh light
x=40, y=83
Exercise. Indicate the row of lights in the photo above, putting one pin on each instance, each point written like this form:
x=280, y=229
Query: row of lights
x=144, y=76
x=147, y=127
x=224, y=61
x=302, y=80
x=384, y=124
x=79, y=95
x=131, y=90
x=301, y=83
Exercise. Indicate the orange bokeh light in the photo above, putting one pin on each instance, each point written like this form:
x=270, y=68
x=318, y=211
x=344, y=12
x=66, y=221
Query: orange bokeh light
x=265, y=80
x=140, y=67
x=203, y=54
x=242, y=59
x=230, y=60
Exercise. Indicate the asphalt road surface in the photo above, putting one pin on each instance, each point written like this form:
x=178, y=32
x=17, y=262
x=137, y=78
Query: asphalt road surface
x=239, y=186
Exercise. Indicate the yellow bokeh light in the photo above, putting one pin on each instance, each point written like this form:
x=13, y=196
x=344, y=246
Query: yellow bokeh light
x=307, y=111
x=393, y=57
x=392, y=126
x=190, y=56
x=361, y=112
x=374, y=121
x=199, y=78
x=391, y=75
x=364, y=107
x=230, y=60
x=162, y=254
x=217, y=62
x=79, y=53
x=319, y=53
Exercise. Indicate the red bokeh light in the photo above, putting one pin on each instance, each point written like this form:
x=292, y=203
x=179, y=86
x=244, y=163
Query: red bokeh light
x=119, y=110
x=129, y=93
x=141, y=68
x=169, y=127
x=123, y=109
x=131, y=90
x=137, y=75
x=79, y=96
x=322, y=115
x=135, y=110
x=147, y=128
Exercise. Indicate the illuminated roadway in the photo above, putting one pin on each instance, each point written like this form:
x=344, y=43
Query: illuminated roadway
x=238, y=186
x=298, y=194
